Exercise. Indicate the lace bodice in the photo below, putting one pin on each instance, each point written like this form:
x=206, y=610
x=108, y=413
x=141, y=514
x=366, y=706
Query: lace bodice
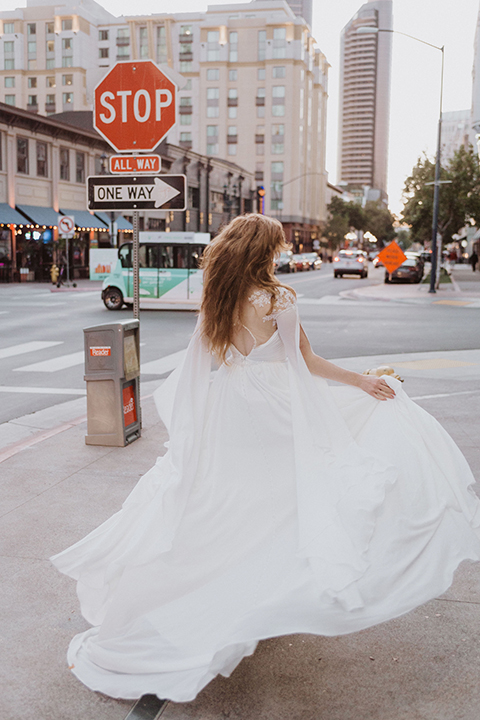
x=284, y=300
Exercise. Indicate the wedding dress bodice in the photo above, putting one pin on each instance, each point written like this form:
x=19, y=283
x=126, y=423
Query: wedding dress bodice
x=272, y=350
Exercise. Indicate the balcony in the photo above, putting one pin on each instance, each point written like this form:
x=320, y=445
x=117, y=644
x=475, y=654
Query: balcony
x=49, y=108
x=183, y=38
x=260, y=138
x=259, y=101
x=186, y=109
x=232, y=102
x=123, y=57
x=232, y=139
x=32, y=107
x=123, y=41
x=258, y=176
x=185, y=56
x=186, y=144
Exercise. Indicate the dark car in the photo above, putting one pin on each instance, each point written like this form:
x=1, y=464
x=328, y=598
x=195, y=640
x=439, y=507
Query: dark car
x=314, y=261
x=285, y=263
x=301, y=262
x=409, y=271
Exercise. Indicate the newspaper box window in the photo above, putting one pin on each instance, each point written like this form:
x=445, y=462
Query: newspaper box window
x=112, y=371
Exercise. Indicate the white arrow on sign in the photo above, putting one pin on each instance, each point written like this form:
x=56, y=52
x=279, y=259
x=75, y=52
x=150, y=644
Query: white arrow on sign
x=160, y=192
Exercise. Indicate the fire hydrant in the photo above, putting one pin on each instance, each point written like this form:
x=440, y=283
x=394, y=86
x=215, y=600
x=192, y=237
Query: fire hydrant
x=54, y=273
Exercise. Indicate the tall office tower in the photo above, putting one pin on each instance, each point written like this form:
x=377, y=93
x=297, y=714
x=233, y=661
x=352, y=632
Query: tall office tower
x=365, y=66
x=252, y=86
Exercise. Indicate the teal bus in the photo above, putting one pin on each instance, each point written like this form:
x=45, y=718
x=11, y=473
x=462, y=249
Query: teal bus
x=169, y=272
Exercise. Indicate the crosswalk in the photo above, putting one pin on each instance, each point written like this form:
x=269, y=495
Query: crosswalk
x=57, y=362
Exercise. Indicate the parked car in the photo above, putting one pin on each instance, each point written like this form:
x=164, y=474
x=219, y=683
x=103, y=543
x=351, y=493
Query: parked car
x=377, y=262
x=409, y=271
x=301, y=262
x=285, y=263
x=314, y=261
x=350, y=262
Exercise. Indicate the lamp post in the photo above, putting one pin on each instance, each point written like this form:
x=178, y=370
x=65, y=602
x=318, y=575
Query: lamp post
x=436, y=196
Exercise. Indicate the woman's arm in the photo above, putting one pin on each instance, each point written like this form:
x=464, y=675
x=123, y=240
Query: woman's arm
x=374, y=386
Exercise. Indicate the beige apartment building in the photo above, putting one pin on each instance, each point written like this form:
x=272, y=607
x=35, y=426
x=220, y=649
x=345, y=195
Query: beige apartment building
x=252, y=86
x=365, y=68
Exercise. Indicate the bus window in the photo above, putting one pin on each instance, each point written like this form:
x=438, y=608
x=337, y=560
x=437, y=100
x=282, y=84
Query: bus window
x=125, y=255
x=173, y=256
x=180, y=255
x=165, y=259
x=195, y=255
x=147, y=256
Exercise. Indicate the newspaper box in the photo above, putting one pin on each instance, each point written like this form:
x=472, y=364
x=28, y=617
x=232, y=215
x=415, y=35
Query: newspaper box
x=112, y=369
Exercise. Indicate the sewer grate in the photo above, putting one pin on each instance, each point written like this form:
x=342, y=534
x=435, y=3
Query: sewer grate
x=149, y=707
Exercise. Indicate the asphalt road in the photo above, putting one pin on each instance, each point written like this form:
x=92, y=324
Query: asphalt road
x=41, y=338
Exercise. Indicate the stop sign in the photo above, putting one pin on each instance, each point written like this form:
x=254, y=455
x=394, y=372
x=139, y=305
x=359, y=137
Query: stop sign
x=134, y=106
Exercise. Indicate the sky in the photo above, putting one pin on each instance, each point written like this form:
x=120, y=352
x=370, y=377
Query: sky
x=415, y=68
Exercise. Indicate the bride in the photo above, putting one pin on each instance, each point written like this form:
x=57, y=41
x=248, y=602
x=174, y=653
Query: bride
x=283, y=504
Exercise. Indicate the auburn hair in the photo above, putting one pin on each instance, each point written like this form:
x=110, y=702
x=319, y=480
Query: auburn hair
x=238, y=259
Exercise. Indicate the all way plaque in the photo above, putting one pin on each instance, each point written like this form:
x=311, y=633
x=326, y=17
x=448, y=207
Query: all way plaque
x=132, y=192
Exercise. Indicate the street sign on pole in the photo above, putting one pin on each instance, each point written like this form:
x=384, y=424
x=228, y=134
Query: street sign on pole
x=134, y=106
x=132, y=164
x=66, y=225
x=132, y=192
x=392, y=256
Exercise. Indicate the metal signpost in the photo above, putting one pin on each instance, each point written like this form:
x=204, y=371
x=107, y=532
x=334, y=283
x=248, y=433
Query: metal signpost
x=66, y=228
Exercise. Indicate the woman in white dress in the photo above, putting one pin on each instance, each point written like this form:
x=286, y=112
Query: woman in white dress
x=282, y=505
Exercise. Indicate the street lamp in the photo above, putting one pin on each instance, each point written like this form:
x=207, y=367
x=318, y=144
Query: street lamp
x=436, y=197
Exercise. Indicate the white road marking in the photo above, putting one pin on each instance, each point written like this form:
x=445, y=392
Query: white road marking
x=59, y=363
x=32, y=346
x=3, y=312
x=42, y=390
x=163, y=365
x=442, y=395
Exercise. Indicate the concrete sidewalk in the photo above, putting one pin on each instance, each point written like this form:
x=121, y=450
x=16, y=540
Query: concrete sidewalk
x=463, y=291
x=425, y=665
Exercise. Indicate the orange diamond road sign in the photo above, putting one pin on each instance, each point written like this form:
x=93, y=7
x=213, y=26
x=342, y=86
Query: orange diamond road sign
x=392, y=256
x=134, y=106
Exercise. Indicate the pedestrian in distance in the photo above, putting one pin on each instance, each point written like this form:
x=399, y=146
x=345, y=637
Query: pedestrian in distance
x=282, y=505
x=473, y=260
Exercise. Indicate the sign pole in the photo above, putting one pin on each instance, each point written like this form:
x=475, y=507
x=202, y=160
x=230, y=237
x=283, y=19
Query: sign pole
x=136, y=278
x=68, y=260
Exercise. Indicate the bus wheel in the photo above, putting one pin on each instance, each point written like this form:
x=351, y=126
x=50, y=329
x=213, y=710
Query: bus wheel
x=113, y=298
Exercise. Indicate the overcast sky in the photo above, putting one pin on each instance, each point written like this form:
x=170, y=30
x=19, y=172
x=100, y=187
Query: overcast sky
x=415, y=68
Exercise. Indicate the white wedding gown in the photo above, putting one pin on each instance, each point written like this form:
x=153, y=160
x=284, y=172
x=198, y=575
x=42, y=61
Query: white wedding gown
x=282, y=505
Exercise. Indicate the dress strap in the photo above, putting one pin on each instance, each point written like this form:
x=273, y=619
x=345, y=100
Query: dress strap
x=251, y=335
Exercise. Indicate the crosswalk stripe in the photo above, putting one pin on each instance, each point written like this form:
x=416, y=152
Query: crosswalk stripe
x=42, y=390
x=164, y=364
x=32, y=346
x=59, y=363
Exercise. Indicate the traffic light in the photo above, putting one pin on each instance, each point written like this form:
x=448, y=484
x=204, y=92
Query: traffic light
x=261, y=199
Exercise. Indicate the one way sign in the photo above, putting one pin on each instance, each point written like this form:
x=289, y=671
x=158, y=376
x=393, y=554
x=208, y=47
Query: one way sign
x=137, y=192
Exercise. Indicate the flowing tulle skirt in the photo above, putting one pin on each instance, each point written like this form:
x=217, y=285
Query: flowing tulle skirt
x=168, y=618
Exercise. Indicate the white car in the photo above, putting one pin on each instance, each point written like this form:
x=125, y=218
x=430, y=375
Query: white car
x=350, y=262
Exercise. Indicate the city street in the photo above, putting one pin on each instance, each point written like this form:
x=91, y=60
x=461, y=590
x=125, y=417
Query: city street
x=41, y=340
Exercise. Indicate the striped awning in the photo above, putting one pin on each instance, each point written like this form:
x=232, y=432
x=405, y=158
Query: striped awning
x=39, y=215
x=10, y=216
x=84, y=219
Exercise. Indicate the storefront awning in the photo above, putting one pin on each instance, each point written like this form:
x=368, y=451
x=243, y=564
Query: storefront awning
x=83, y=219
x=10, y=216
x=122, y=223
x=38, y=215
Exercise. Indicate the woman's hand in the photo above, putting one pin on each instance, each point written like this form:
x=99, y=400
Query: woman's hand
x=376, y=387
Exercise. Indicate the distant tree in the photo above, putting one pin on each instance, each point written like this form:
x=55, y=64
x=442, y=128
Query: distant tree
x=342, y=217
x=459, y=199
x=379, y=221
x=403, y=237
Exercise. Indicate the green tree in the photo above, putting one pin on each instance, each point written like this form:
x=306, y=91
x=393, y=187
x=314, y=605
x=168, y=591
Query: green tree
x=459, y=198
x=342, y=216
x=379, y=221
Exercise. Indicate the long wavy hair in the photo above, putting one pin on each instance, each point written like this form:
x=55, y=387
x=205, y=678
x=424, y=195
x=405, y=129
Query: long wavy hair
x=239, y=258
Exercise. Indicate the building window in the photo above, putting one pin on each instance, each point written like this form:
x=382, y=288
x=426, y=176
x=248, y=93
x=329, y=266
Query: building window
x=279, y=42
x=67, y=44
x=80, y=167
x=278, y=91
x=143, y=37
x=261, y=74
x=186, y=30
x=232, y=149
x=50, y=64
x=67, y=24
x=259, y=171
x=123, y=52
x=213, y=95
x=32, y=48
x=262, y=45
x=9, y=63
x=186, y=66
x=32, y=101
x=9, y=82
x=186, y=119
x=67, y=79
x=67, y=61
x=212, y=139
x=185, y=101
x=233, y=75
x=9, y=99
x=50, y=104
x=50, y=46
x=278, y=144
x=67, y=99
x=103, y=52
x=276, y=185
x=32, y=82
x=8, y=28
x=49, y=28
x=278, y=71
x=161, y=44
x=103, y=35
x=186, y=139
x=42, y=167
x=31, y=29
x=213, y=50
x=8, y=46
x=22, y=155
x=233, y=47
x=232, y=133
x=64, y=163
x=278, y=100
x=232, y=113
x=213, y=74
x=50, y=81
x=232, y=100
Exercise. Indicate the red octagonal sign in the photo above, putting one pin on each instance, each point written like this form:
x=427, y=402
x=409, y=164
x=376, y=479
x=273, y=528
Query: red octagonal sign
x=134, y=106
